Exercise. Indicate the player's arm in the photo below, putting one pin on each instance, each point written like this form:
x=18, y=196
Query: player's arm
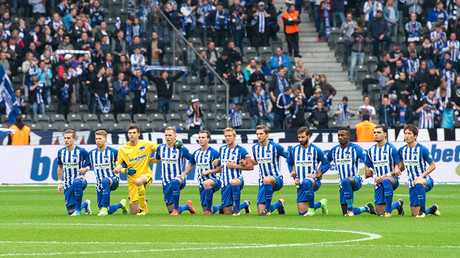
x=60, y=172
x=154, y=160
x=245, y=164
x=282, y=151
x=189, y=168
x=291, y=167
x=368, y=167
x=399, y=163
x=254, y=159
x=86, y=167
x=325, y=165
x=212, y=171
x=429, y=159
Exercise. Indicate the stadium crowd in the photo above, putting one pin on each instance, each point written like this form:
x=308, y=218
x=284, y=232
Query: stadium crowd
x=71, y=53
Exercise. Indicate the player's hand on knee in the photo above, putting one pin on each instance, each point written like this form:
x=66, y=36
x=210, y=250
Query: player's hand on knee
x=297, y=181
x=83, y=170
x=204, y=173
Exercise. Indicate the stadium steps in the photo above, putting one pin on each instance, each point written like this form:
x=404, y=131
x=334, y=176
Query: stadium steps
x=319, y=58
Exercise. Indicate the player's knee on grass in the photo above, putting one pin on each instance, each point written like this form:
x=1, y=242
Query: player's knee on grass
x=77, y=182
x=134, y=208
x=235, y=182
x=269, y=180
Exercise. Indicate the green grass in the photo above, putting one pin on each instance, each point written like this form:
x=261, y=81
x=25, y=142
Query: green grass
x=33, y=221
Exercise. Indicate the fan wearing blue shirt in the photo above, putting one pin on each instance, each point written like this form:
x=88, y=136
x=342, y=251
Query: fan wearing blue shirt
x=416, y=157
x=208, y=177
x=346, y=157
x=384, y=164
x=266, y=155
x=307, y=164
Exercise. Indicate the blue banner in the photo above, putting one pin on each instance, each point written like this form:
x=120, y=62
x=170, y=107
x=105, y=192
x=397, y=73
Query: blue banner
x=7, y=98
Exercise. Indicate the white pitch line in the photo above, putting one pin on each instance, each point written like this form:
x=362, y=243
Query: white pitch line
x=395, y=246
x=431, y=195
x=119, y=243
x=368, y=236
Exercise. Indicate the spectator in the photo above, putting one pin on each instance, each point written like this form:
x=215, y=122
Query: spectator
x=378, y=30
x=127, y=29
x=205, y=9
x=338, y=13
x=4, y=62
x=137, y=60
x=319, y=117
x=233, y=55
x=298, y=110
x=348, y=28
x=344, y=112
x=36, y=97
x=155, y=50
x=426, y=113
x=165, y=87
x=139, y=88
x=290, y=20
x=120, y=91
x=260, y=26
x=401, y=88
x=456, y=93
x=453, y=47
x=427, y=52
x=385, y=81
x=449, y=74
x=442, y=96
x=313, y=101
x=281, y=109
x=251, y=68
x=327, y=90
x=45, y=76
x=224, y=65
x=195, y=115
x=202, y=66
x=414, y=29
x=236, y=115
x=278, y=84
x=99, y=88
x=188, y=11
x=20, y=101
x=413, y=65
x=366, y=108
x=188, y=56
x=404, y=114
x=437, y=16
x=212, y=54
x=386, y=113
x=257, y=107
x=65, y=86
x=238, y=88
x=309, y=86
x=447, y=115
x=358, y=43
x=218, y=24
x=365, y=130
x=103, y=31
x=300, y=73
x=96, y=13
x=237, y=25
x=257, y=76
x=391, y=15
x=325, y=8
x=279, y=60
x=414, y=6
x=119, y=44
x=438, y=39
x=370, y=9
x=38, y=8
x=21, y=136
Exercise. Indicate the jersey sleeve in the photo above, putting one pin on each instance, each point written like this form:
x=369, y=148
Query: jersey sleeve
x=157, y=155
x=186, y=153
x=395, y=155
x=254, y=152
x=152, y=146
x=368, y=161
x=192, y=159
x=426, y=154
x=281, y=150
x=89, y=160
x=325, y=165
x=244, y=154
x=360, y=152
x=329, y=155
x=290, y=159
x=83, y=158
x=59, y=158
x=121, y=157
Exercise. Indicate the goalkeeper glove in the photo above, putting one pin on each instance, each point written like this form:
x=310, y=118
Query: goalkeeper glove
x=129, y=171
x=178, y=144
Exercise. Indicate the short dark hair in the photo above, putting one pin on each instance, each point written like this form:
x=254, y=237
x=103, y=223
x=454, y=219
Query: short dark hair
x=411, y=128
x=381, y=127
x=134, y=126
x=345, y=128
x=208, y=134
x=303, y=129
x=263, y=127
x=345, y=98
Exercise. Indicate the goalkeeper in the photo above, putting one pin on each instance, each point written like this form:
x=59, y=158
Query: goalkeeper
x=133, y=159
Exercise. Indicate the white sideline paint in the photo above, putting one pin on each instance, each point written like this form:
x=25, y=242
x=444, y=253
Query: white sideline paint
x=367, y=236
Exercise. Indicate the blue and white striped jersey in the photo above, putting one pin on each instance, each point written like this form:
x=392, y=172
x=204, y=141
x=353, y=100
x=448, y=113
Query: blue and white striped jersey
x=71, y=162
x=307, y=161
x=347, y=160
x=172, y=162
x=268, y=158
x=226, y=155
x=203, y=161
x=103, y=164
x=426, y=118
x=415, y=161
x=454, y=53
x=439, y=44
x=383, y=160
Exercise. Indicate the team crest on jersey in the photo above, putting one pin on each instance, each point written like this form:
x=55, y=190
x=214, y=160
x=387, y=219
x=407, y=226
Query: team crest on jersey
x=142, y=149
x=75, y=155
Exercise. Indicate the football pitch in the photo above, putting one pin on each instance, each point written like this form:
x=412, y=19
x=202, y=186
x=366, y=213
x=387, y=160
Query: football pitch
x=34, y=222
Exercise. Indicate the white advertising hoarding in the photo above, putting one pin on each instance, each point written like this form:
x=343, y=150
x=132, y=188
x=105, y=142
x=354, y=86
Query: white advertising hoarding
x=38, y=164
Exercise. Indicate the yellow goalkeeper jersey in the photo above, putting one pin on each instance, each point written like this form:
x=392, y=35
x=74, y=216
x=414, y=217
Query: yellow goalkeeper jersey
x=137, y=157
